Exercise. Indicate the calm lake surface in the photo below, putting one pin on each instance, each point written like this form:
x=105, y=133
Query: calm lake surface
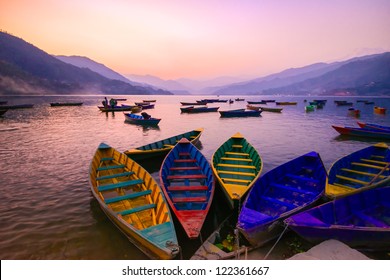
x=46, y=208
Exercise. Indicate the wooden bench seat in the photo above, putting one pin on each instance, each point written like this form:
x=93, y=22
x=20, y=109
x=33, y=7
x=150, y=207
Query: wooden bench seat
x=291, y=189
x=184, y=160
x=117, y=175
x=189, y=199
x=185, y=168
x=183, y=177
x=236, y=173
x=277, y=201
x=188, y=188
x=137, y=209
x=301, y=178
x=127, y=196
x=237, y=154
x=125, y=184
x=236, y=166
x=110, y=167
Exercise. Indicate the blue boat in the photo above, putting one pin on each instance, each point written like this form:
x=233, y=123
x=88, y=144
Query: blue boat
x=361, y=220
x=373, y=126
x=285, y=190
x=240, y=113
x=188, y=184
x=379, y=134
x=138, y=119
x=192, y=109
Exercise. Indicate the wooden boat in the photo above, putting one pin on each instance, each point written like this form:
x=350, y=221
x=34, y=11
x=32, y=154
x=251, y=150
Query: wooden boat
x=120, y=99
x=361, y=220
x=193, y=103
x=141, y=103
x=137, y=119
x=286, y=103
x=136, y=109
x=236, y=165
x=239, y=99
x=3, y=111
x=271, y=109
x=252, y=107
x=354, y=112
x=239, y=113
x=193, y=109
x=281, y=192
x=373, y=126
x=223, y=243
x=379, y=110
x=269, y=100
x=134, y=202
x=369, y=102
x=310, y=108
x=344, y=103
x=162, y=147
x=360, y=170
x=149, y=100
x=188, y=183
x=19, y=106
x=363, y=132
x=256, y=102
x=57, y=104
x=147, y=106
x=116, y=108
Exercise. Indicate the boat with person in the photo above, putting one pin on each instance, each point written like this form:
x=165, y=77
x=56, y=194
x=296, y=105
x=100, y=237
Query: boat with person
x=117, y=108
x=363, y=169
x=285, y=190
x=363, y=132
x=134, y=202
x=236, y=164
x=140, y=120
x=162, y=147
x=361, y=220
x=188, y=184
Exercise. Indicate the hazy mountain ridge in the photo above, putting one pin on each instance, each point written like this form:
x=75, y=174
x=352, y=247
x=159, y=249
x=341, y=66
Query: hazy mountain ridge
x=26, y=69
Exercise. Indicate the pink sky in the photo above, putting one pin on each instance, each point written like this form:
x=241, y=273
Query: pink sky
x=202, y=39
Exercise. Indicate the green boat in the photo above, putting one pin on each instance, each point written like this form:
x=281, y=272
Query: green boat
x=162, y=147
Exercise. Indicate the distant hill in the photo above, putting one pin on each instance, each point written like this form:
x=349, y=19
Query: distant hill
x=26, y=69
x=171, y=85
x=313, y=79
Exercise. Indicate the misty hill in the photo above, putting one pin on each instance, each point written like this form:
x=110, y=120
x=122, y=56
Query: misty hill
x=296, y=80
x=26, y=69
x=171, y=85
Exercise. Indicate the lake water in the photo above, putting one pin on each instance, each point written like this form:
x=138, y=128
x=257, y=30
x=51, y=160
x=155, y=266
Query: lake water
x=47, y=210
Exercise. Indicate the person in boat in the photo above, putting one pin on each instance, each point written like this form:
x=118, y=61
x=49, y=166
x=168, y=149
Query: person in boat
x=112, y=102
x=105, y=102
x=145, y=115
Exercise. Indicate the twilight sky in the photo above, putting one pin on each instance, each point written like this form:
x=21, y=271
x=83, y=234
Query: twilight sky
x=202, y=39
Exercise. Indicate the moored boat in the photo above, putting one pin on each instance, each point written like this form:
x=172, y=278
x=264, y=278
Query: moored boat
x=363, y=169
x=236, y=165
x=134, y=202
x=202, y=109
x=373, y=126
x=18, y=106
x=239, y=113
x=361, y=220
x=286, y=103
x=3, y=111
x=138, y=119
x=363, y=132
x=256, y=102
x=193, y=103
x=57, y=104
x=271, y=109
x=162, y=147
x=379, y=110
x=116, y=108
x=188, y=183
x=280, y=193
x=149, y=100
x=310, y=108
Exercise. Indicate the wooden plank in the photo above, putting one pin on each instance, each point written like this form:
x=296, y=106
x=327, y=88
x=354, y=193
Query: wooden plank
x=110, y=167
x=306, y=179
x=236, y=166
x=237, y=154
x=185, y=168
x=274, y=200
x=291, y=189
x=237, y=146
x=374, y=161
x=184, y=160
x=370, y=220
x=182, y=177
x=352, y=180
x=369, y=166
x=184, y=154
x=117, y=175
x=236, y=180
x=237, y=159
x=137, y=209
x=188, y=188
x=236, y=173
x=127, y=196
x=107, y=159
x=362, y=173
x=125, y=184
x=189, y=199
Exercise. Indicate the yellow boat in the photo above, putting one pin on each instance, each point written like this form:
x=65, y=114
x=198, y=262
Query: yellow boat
x=237, y=165
x=364, y=169
x=162, y=147
x=134, y=202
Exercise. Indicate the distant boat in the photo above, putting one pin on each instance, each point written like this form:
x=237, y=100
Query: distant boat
x=188, y=183
x=270, y=109
x=134, y=202
x=363, y=132
x=236, y=165
x=150, y=100
x=269, y=100
x=162, y=147
x=3, y=111
x=239, y=113
x=193, y=109
x=140, y=120
x=354, y=112
x=379, y=110
x=361, y=220
x=286, y=103
x=116, y=108
x=343, y=103
x=239, y=99
x=120, y=99
x=363, y=169
x=373, y=126
x=310, y=108
x=285, y=190
x=193, y=103
x=256, y=102
x=57, y=104
x=369, y=102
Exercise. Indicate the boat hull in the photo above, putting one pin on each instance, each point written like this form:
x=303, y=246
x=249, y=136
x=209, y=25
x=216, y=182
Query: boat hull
x=379, y=134
x=139, y=120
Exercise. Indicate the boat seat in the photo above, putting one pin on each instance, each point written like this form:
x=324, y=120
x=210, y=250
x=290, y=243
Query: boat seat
x=351, y=180
x=370, y=220
x=274, y=200
x=137, y=209
x=187, y=188
x=107, y=159
x=370, y=166
x=127, y=196
x=293, y=176
x=362, y=173
x=109, y=167
x=185, y=168
x=374, y=161
x=376, y=156
x=189, y=199
x=117, y=175
x=168, y=146
x=184, y=160
x=236, y=180
x=237, y=154
x=236, y=166
x=236, y=173
x=237, y=146
x=236, y=159
x=183, y=177
x=184, y=154
x=292, y=189
x=193, y=137
x=125, y=184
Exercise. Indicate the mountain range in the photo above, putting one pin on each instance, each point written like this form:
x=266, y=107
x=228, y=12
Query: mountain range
x=25, y=69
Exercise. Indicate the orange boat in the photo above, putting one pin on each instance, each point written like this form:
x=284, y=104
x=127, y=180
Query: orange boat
x=379, y=110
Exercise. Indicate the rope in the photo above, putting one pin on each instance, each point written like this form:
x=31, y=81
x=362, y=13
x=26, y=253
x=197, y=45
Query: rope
x=280, y=236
